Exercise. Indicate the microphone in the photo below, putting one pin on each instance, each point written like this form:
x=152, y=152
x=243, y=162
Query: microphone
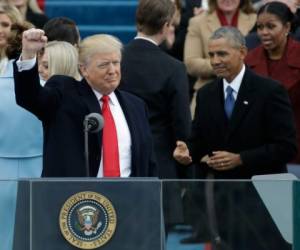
x=93, y=123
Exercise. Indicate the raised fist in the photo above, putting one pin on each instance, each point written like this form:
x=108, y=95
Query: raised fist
x=33, y=40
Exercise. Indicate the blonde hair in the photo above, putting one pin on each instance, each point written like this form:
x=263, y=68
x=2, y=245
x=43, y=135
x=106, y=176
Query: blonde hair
x=62, y=59
x=98, y=44
x=15, y=17
x=12, y=12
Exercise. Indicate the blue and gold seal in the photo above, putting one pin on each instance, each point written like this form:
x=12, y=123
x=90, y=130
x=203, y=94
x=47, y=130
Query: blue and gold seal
x=87, y=220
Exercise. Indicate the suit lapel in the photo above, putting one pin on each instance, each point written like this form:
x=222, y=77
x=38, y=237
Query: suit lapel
x=90, y=100
x=131, y=121
x=89, y=97
x=243, y=102
x=125, y=105
x=217, y=109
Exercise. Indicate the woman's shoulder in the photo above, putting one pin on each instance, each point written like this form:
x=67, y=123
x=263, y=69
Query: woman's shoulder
x=248, y=15
x=205, y=15
x=293, y=53
x=246, y=22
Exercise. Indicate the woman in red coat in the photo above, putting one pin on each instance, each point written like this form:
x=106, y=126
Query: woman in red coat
x=278, y=56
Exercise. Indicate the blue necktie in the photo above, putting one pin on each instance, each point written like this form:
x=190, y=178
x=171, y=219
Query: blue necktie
x=229, y=102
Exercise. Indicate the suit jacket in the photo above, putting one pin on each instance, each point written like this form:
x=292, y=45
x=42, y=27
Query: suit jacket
x=161, y=81
x=200, y=29
x=288, y=76
x=261, y=128
x=62, y=105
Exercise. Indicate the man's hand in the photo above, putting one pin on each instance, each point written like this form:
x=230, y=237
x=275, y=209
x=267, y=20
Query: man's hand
x=33, y=40
x=223, y=160
x=182, y=153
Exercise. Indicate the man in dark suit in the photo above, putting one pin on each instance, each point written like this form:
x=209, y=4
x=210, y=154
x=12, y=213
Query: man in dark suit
x=63, y=104
x=243, y=126
x=160, y=80
x=251, y=134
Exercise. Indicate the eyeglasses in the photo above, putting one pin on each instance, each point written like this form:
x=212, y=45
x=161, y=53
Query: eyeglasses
x=106, y=65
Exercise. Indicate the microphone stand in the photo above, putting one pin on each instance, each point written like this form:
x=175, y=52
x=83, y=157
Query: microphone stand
x=92, y=123
x=86, y=147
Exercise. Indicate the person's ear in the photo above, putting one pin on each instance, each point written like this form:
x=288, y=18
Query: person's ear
x=165, y=28
x=243, y=52
x=83, y=71
x=288, y=28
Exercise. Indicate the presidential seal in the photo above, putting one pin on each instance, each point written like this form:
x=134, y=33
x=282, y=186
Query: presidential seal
x=87, y=220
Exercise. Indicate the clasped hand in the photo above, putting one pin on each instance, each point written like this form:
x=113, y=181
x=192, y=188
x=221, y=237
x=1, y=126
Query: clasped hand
x=219, y=160
x=222, y=160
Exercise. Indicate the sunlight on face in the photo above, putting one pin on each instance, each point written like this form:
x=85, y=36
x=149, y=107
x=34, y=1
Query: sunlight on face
x=103, y=72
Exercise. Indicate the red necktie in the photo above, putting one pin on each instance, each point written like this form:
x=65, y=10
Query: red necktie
x=111, y=167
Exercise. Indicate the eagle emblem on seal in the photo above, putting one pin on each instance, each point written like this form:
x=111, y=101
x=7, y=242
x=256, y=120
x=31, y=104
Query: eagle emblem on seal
x=89, y=220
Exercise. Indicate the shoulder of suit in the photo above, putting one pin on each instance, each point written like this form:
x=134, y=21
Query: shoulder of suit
x=64, y=79
x=61, y=81
x=168, y=60
x=210, y=86
x=173, y=60
x=129, y=96
x=261, y=82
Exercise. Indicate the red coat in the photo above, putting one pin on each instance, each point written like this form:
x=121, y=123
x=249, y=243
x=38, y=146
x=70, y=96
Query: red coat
x=289, y=75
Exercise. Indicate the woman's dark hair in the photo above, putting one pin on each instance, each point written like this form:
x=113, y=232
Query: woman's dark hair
x=280, y=10
x=14, y=41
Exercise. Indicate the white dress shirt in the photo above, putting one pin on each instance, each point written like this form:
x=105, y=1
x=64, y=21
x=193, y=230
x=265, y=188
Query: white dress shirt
x=235, y=84
x=26, y=64
x=123, y=134
x=147, y=39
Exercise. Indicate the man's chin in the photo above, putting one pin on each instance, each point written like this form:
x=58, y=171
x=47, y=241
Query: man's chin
x=221, y=74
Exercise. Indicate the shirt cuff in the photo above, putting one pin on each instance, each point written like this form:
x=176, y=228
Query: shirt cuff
x=26, y=64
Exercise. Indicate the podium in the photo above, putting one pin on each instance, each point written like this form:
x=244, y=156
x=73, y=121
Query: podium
x=65, y=214
x=113, y=214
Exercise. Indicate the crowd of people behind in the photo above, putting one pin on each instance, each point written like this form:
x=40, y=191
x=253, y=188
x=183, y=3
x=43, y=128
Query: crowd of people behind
x=144, y=90
x=271, y=30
